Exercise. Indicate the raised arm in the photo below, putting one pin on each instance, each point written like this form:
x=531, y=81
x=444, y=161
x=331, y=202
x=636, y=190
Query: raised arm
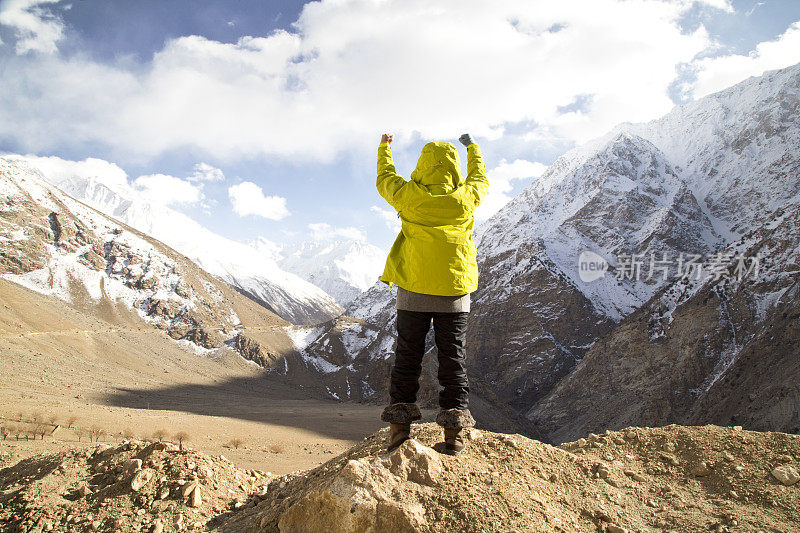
x=389, y=181
x=476, y=180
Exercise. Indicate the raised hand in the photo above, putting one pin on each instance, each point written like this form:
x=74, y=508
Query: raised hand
x=387, y=138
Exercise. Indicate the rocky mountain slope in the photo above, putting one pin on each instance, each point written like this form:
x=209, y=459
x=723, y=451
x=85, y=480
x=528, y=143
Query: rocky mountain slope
x=640, y=479
x=253, y=272
x=58, y=246
x=716, y=176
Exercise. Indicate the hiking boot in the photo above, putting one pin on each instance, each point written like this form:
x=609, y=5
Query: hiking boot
x=399, y=433
x=454, y=422
x=453, y=441
x=399, y=416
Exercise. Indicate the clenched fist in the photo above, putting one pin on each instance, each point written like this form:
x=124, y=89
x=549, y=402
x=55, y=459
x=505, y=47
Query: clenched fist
x=387, y=138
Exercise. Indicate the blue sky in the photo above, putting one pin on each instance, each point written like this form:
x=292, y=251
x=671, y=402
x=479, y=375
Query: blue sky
x=290, y=99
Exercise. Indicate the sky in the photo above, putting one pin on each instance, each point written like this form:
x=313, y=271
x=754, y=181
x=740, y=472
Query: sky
x=261, y=119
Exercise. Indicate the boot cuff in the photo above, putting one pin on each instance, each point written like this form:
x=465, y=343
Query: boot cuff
x=455, y=418
x=401, y=413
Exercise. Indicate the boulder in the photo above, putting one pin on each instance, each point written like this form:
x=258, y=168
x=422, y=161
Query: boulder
x=141, y=479
x=415, y=462
x=786, y=475
x=359, y=499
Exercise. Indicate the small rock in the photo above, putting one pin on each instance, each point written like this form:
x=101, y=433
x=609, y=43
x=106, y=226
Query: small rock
x=701, y=470
x=613, y=528
x=671, y=459
x=141, y=479
x=786, y=474
x=103, y=450
x=195, y=500
x=84, y=490
x=204, y=472
x=164, y=493
x=603, y=471
x=728, y=455
x=158, y=526
x=95, y=525
x=132, y=465
x=187, y=488
x=635, y=476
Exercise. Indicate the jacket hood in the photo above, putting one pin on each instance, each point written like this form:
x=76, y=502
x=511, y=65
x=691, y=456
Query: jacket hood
x=438, y=168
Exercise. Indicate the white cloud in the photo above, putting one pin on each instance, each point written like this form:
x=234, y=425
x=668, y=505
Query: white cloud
x=345, y=76
x=205, y=172
x=716, y=73
x=36, y=28
x=500, y=185
x=322, y=231
x=57, y=170
x=164, y=189
x=388, y=216
x=248, y=198
x=724, y=5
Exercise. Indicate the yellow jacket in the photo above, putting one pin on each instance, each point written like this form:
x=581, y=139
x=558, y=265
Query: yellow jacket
x=434, y=252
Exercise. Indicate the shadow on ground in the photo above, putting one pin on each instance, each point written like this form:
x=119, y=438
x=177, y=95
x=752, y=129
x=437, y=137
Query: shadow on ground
x=257, y=399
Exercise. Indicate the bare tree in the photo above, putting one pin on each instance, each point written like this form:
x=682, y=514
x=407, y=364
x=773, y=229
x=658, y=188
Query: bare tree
x=236, y=443
x=5, y=431
x=160, y=434
x=40, y=429
x=181, y=436
x=52, y=420
x=128, y=434
x=36, y=417
x=81, y=433
x=95, y=432
x=71, y=421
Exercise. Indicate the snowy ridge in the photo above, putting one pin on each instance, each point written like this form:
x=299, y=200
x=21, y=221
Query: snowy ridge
x=344, y=269
x=254, y=272
x=67, y=243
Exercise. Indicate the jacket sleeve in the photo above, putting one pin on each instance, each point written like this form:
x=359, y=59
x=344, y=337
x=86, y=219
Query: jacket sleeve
x=477, y=182
x=389, y=181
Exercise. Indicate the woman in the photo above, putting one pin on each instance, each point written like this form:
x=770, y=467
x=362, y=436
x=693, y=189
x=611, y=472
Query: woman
x=433, y=264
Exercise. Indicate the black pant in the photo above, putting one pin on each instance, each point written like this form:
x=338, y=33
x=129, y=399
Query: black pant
x=450, y=331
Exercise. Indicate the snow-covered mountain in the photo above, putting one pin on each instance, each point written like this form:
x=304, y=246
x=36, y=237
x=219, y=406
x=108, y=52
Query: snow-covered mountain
x=707, y=184
x=343, y=269
x=58, y=246
x=252, y=271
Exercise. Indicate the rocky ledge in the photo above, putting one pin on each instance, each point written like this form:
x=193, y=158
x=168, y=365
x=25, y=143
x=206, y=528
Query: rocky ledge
x=673, y=478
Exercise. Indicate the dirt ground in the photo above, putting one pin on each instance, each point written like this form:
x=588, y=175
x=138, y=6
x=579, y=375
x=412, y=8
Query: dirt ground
x=106, y=369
